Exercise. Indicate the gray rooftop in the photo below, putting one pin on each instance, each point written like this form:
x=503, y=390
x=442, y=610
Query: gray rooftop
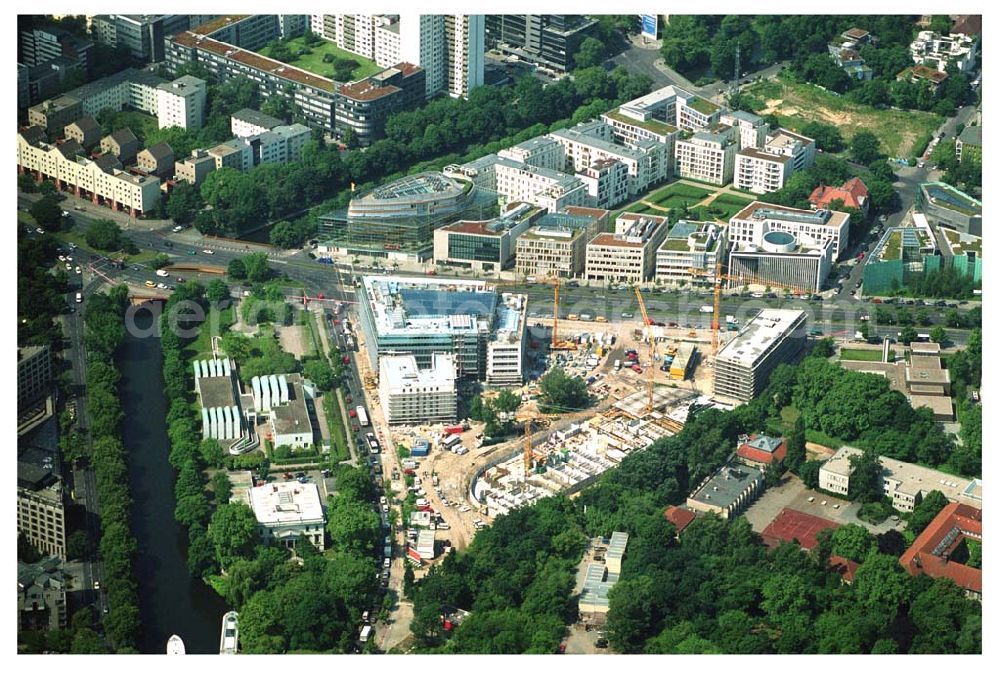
x=216, y=392
x=127, y=75
x=598, y=143
x=726, y=485
x=759, y=335
x=257, y=118
x=972, y=135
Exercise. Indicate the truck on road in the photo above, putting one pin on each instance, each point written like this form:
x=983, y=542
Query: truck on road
x=706, y=309
x=362, y=415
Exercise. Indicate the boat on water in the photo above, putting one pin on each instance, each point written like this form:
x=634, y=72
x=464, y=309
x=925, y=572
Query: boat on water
x=175, y=645
x=229, y=641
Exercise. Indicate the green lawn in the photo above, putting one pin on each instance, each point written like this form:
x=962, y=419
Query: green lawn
x=678, y=190
x=313, y=62
x=823, y=439
x=873, y=355
x=796, y=103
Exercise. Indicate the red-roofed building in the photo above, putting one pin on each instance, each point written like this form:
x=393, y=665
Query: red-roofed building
x=761, y=450
x=845, y=567
x=679, y=517
x=853, y=193
x=932, y=550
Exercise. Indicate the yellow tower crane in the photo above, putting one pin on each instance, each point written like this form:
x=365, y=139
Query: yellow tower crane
x=743, y=279
x=652, y=351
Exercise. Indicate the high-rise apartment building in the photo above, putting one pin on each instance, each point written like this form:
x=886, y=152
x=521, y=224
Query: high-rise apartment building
x=181, y=103
x=449, y=47
x=545, y=40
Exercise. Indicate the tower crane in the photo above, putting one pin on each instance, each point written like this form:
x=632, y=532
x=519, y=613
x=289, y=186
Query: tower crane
x=652, y=351
x=717, y=294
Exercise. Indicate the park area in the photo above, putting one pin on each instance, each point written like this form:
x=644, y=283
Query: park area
x=683, y=194
x=795, y=103
x=873, y=355
x=311, y=58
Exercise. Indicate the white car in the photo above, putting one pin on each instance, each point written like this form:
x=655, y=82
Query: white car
x=178, y=228
x=62, y=258
x=206, y=251
x=386, y=562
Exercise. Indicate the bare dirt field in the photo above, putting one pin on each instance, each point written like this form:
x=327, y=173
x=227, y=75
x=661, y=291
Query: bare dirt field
x=294, y=340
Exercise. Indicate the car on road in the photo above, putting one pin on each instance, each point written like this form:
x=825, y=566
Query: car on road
x=206, y=251
x=97, y=585
x=161, y=286
x=191, y=252
x=77, y=270
x=178, y=228
x=62, y=258
x=39, y=230
x=79, y=298
x=386, y=563
x=626, y=314
x=150, y=284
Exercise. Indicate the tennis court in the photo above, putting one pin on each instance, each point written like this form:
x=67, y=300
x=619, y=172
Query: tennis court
x=793, y=524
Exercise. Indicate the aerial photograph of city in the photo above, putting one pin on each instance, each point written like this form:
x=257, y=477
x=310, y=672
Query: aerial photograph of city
x=499, y=334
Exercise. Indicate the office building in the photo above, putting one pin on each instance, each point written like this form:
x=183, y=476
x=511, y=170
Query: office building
x=157, y=160
x=247, y=122
x=34, y=375
x=484, y=245
x=628, y=255
x=287, y=512
x=942, y=549
x=949, y=207
x=551, y=250
x=743, y=366
x=544, y=40
x=698, y=246
x=426, y=316
x=68, y=166
x=85, y=130
x=781, y=260
x=751, y=223
x=969, y=143
x=195, y=168
x=901, y=253
x=289, y=418
x=410, y=395
x=280, y=145
x=904, y=483
x=364, y=106
x=922, y=379
x=708, y=156
x=606, y=181
x=449, y=47
x=181, y=103
x=41, y=511
x=852, y=194
x=45, y=80
x=41, y=45
x=505, y=352
x=728, y=491
x=943, y=51
x=41, y=595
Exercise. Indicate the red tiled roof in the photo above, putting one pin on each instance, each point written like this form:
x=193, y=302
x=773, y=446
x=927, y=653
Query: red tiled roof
x=679, y=517
x=759, y=455
x=792, y=525
x=920, y=557
x=851, y=193
x=221, y=22
x=845, y=567
x=366, y=90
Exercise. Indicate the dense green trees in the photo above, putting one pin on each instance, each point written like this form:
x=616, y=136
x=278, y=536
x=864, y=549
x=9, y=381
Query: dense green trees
x=104, y=235
x=103, y=334
x=47, y=212
x=562, y=393
x=233, y=532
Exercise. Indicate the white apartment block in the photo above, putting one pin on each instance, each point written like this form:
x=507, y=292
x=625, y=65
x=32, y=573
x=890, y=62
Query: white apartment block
x=551, y=251
x=761, y=172
x=387, y=44
x=647, y=161
x=373, y=36
x=234, y=154
x=705, y=156
x=752, y=128
x=449, y=47
x=750, y=225
x=691, y=245
x=181, y=103
x=121, y=190
x=629, y=254
x=546, y=188
x=675, y=106
x=247, y=122
x=542, y=152
x=940, y=51
x=410, y=395
x=901, y=481
x=607, y=182
x=801, y=149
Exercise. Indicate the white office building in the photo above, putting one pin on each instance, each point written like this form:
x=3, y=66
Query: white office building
x=585, y=144
x=697, y=246
x=542, y=187
x=629, y=254
x=781, y=260
x=750, y=225
x=505, y=351
x=540, y=152
x=410, y=395
x=181, y=103
x=743, y=366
